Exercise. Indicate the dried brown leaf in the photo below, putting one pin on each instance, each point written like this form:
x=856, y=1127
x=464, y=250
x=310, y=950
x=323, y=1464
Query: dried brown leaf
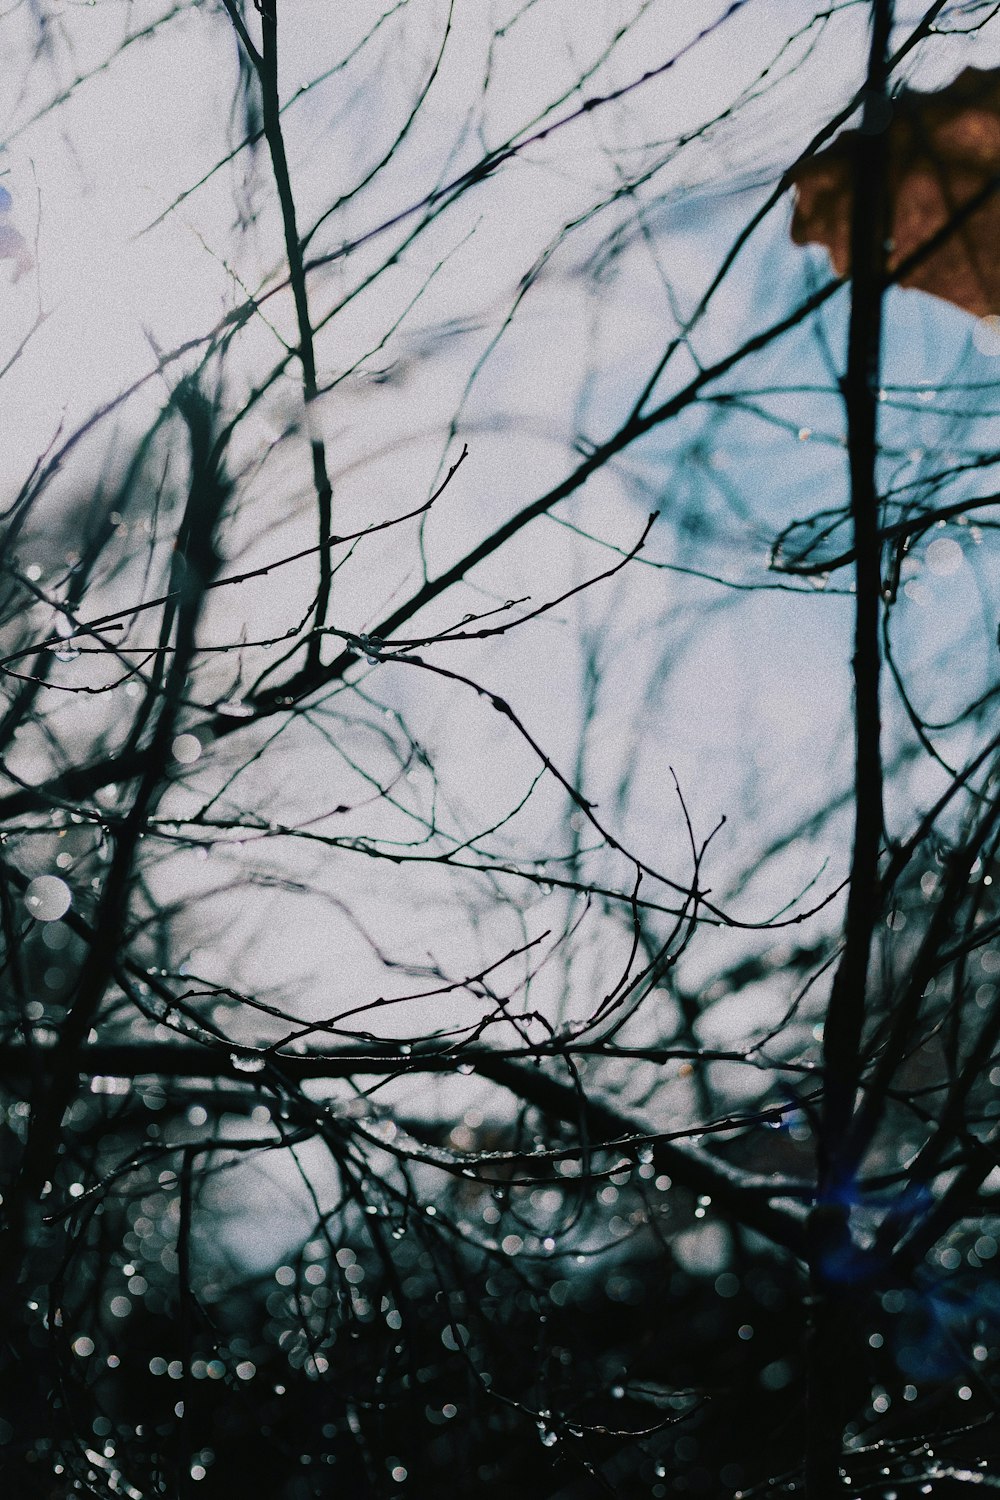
x=944, y=150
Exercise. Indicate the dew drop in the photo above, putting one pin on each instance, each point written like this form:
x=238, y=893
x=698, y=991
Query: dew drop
x=986, y=336
x=944, y=556
x=186, y=749
x=48, y=898
x=246, y=1064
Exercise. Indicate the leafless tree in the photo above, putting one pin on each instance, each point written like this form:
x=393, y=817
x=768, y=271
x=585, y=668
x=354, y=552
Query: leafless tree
x=499, y=753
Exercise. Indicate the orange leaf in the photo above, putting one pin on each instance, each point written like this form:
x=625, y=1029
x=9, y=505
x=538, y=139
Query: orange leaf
x=944, y=149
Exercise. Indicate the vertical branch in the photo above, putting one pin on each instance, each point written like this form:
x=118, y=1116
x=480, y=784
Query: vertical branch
x=265, y=63
x=185, y=1320
x=845, y=1013
x=831, y=1366
x=195, y=562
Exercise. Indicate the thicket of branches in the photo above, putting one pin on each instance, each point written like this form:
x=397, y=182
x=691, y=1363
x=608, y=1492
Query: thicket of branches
x=498, y=763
